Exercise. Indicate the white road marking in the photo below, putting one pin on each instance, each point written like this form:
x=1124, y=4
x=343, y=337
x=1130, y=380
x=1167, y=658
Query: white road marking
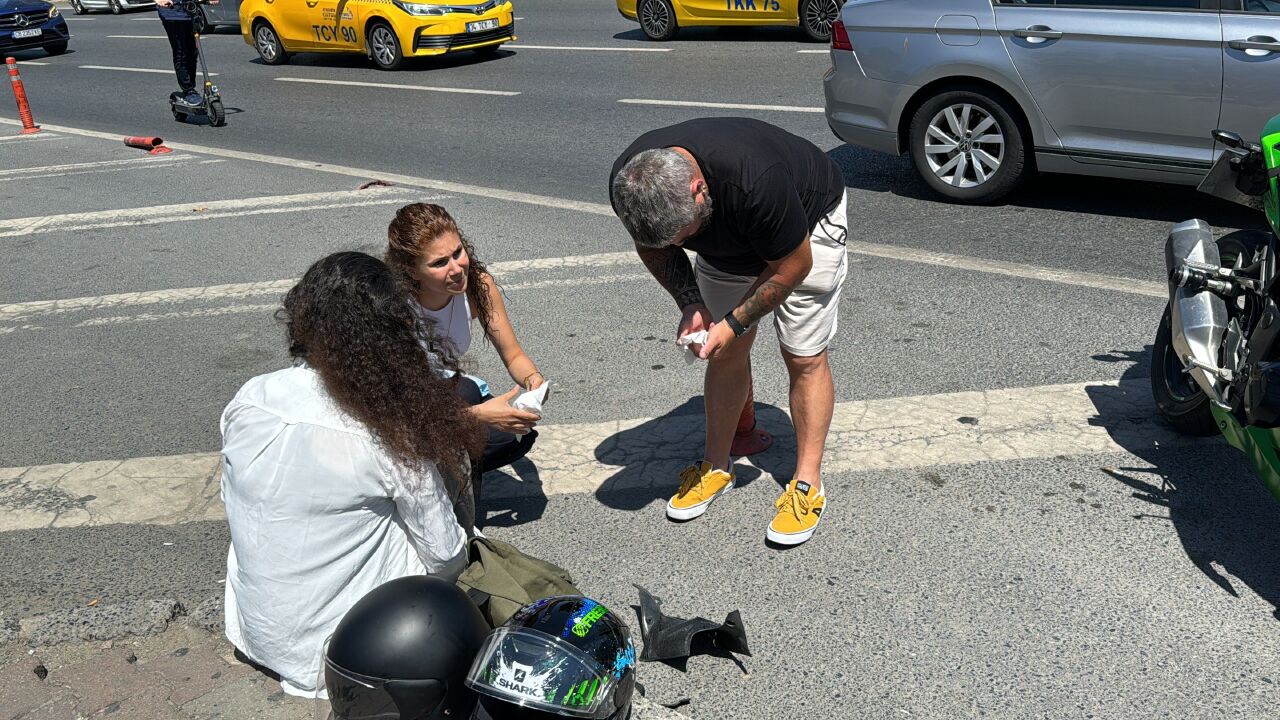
x=239, y=291
x=522, y=46
x=813, y=52
x=134, y=70
x=720, y=106
x=874, y=435
x=32, y=62
x=1122, y=285
x=187, y=212
x=28, y=138
x=140, y=37
x=397, y=86
x=152, y=159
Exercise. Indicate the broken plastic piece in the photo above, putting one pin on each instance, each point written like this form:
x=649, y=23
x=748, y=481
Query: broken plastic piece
x=666, y=637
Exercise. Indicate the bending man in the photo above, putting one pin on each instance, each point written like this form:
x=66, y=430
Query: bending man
x=765, y=212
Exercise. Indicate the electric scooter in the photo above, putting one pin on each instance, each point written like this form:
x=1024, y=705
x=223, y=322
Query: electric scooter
x=211, y=102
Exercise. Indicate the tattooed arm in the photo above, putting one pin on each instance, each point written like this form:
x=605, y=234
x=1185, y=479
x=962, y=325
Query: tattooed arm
x=773, y=287
x=672, y=269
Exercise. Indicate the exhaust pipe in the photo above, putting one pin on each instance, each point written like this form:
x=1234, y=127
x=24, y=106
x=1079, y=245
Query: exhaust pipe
x=1199, y=316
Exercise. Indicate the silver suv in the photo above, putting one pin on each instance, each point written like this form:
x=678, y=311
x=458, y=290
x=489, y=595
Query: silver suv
x=983, y=92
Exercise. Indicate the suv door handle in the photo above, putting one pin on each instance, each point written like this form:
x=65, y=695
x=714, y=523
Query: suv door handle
x=1256, y=42
x=1038, y=33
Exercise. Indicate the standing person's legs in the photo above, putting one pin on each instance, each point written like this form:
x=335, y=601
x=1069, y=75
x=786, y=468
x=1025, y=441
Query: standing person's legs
x=813, y=400
x=181, y=35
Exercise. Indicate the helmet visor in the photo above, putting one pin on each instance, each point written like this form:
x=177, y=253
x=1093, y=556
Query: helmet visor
x=354, y=697
x=533, y=669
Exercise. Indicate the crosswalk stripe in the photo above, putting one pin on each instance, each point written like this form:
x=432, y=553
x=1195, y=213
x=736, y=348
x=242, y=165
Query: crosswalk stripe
x=889, y=434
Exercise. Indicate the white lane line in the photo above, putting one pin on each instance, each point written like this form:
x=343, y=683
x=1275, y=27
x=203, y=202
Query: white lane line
x=153, y=159
x=132, y=69
x=522, y=46
x=813, y=52
x=186, y=212
x=140, y=37
x=28, y=138
x=397, y=86
x=720, y=106
x=32, y=62
x=1031, y=272
x=874, y=435
x=1122, y=285
x=546, y=201
x=238, y=291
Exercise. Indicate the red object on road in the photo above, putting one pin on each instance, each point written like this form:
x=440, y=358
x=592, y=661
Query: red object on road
x=29, y=125
x=154, y=145
x=749, y=439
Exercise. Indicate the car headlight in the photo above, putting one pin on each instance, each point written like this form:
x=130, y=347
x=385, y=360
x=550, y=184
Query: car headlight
x=420, y=8
x=53, y=11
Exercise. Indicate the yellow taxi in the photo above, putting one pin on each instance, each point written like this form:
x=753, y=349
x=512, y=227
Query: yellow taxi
x=660, y=19
x=388, y=31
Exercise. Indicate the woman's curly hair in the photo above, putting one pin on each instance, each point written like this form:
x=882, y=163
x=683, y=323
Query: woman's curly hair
x=417, y=224
x=348, y=319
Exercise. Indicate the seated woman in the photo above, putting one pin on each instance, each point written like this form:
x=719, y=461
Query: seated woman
x=449, y=288
x=334, y=479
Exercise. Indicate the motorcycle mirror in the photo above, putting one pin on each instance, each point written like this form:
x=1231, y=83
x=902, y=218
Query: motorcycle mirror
x=1228, y=138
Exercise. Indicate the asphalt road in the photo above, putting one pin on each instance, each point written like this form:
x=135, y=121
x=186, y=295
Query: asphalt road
x=1135, y=583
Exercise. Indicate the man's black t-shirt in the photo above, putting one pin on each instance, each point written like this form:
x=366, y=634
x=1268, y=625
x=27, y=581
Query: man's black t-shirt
x=768, y=188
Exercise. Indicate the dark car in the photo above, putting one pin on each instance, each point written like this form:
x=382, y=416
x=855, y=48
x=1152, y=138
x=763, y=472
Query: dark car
x=29, y=24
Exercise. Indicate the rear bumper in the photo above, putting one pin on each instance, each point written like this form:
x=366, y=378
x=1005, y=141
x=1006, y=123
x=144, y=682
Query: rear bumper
x=860, y=110
x=53, y=31
x=627, y=9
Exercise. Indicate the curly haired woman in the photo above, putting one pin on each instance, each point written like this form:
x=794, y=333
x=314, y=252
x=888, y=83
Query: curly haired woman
x=449, y=288
x=334, y=480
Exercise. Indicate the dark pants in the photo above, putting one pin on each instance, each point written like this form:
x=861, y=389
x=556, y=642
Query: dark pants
x=182, y=38
x=500, y=448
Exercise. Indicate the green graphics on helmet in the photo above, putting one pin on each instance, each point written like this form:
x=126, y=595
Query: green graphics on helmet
x=1271, y=155
x=566, y=655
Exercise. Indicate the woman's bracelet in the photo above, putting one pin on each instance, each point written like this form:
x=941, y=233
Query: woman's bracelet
x=525, y=382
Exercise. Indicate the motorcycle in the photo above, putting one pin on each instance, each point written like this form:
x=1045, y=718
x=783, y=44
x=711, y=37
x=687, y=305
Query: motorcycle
x=1215, y=365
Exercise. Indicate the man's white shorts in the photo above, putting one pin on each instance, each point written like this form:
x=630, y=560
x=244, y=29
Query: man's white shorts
x=806, y=321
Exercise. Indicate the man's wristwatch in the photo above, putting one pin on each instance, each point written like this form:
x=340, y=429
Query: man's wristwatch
x=738, y=328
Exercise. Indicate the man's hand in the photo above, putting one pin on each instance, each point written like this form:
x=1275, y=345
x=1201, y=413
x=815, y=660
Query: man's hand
x=695, y=317
x=720, y=337
x=164, y=3
x=498, y=413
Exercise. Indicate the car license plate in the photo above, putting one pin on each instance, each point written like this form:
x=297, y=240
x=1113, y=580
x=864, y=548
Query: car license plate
x=482, y=25
x=33, y=32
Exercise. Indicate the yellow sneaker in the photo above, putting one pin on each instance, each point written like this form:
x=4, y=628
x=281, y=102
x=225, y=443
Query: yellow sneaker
x=799, y=510
x=700, y=484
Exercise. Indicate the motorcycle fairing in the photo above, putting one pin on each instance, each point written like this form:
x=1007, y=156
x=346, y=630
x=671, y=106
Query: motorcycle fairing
x=1258, y=443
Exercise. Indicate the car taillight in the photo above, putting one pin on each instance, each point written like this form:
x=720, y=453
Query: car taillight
x=840, y=37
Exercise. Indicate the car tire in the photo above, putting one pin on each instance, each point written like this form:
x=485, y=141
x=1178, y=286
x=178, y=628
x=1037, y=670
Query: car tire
x=816, y=17
x=267, y=42
x=657, y=19
x=56, y=48
x=115, y=7
x=967, y=168
x=78, y=8
x=384, y=46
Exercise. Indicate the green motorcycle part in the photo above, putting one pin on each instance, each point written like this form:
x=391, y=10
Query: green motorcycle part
x=1258, y=443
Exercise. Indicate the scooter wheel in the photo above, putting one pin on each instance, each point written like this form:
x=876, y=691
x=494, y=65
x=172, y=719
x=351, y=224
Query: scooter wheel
x=217, y=115
x=178, y=116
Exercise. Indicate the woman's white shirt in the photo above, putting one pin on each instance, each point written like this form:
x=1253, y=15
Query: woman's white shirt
x=450, y=324
x=320, y=515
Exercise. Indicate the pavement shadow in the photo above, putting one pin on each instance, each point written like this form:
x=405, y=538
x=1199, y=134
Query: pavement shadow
x=768, y=34
x=511, y=496
x=871, y=171
x=356, y=61
x=1227, y=522
x=649, y=456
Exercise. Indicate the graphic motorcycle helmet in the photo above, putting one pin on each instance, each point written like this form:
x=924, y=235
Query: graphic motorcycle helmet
x=564, y=656
x=402, y=653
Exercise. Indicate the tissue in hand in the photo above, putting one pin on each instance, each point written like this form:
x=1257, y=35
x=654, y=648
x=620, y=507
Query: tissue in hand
x=688, y=341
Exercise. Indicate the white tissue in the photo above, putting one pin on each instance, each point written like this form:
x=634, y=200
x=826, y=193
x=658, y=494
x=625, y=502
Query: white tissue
x=688, y=341
x=532, y=400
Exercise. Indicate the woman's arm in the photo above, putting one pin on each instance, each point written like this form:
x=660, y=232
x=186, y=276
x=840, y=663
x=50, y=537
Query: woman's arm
x=503, y=337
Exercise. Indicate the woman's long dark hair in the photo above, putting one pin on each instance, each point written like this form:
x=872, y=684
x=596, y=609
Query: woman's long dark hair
x=348, y=319
x=417, y=224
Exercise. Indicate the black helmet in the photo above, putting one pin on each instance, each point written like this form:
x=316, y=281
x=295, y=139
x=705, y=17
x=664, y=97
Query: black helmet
x=561, y=656
x=402, y=652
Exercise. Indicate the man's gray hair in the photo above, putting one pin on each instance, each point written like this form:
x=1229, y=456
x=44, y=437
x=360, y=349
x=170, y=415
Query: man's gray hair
x=651, y=196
